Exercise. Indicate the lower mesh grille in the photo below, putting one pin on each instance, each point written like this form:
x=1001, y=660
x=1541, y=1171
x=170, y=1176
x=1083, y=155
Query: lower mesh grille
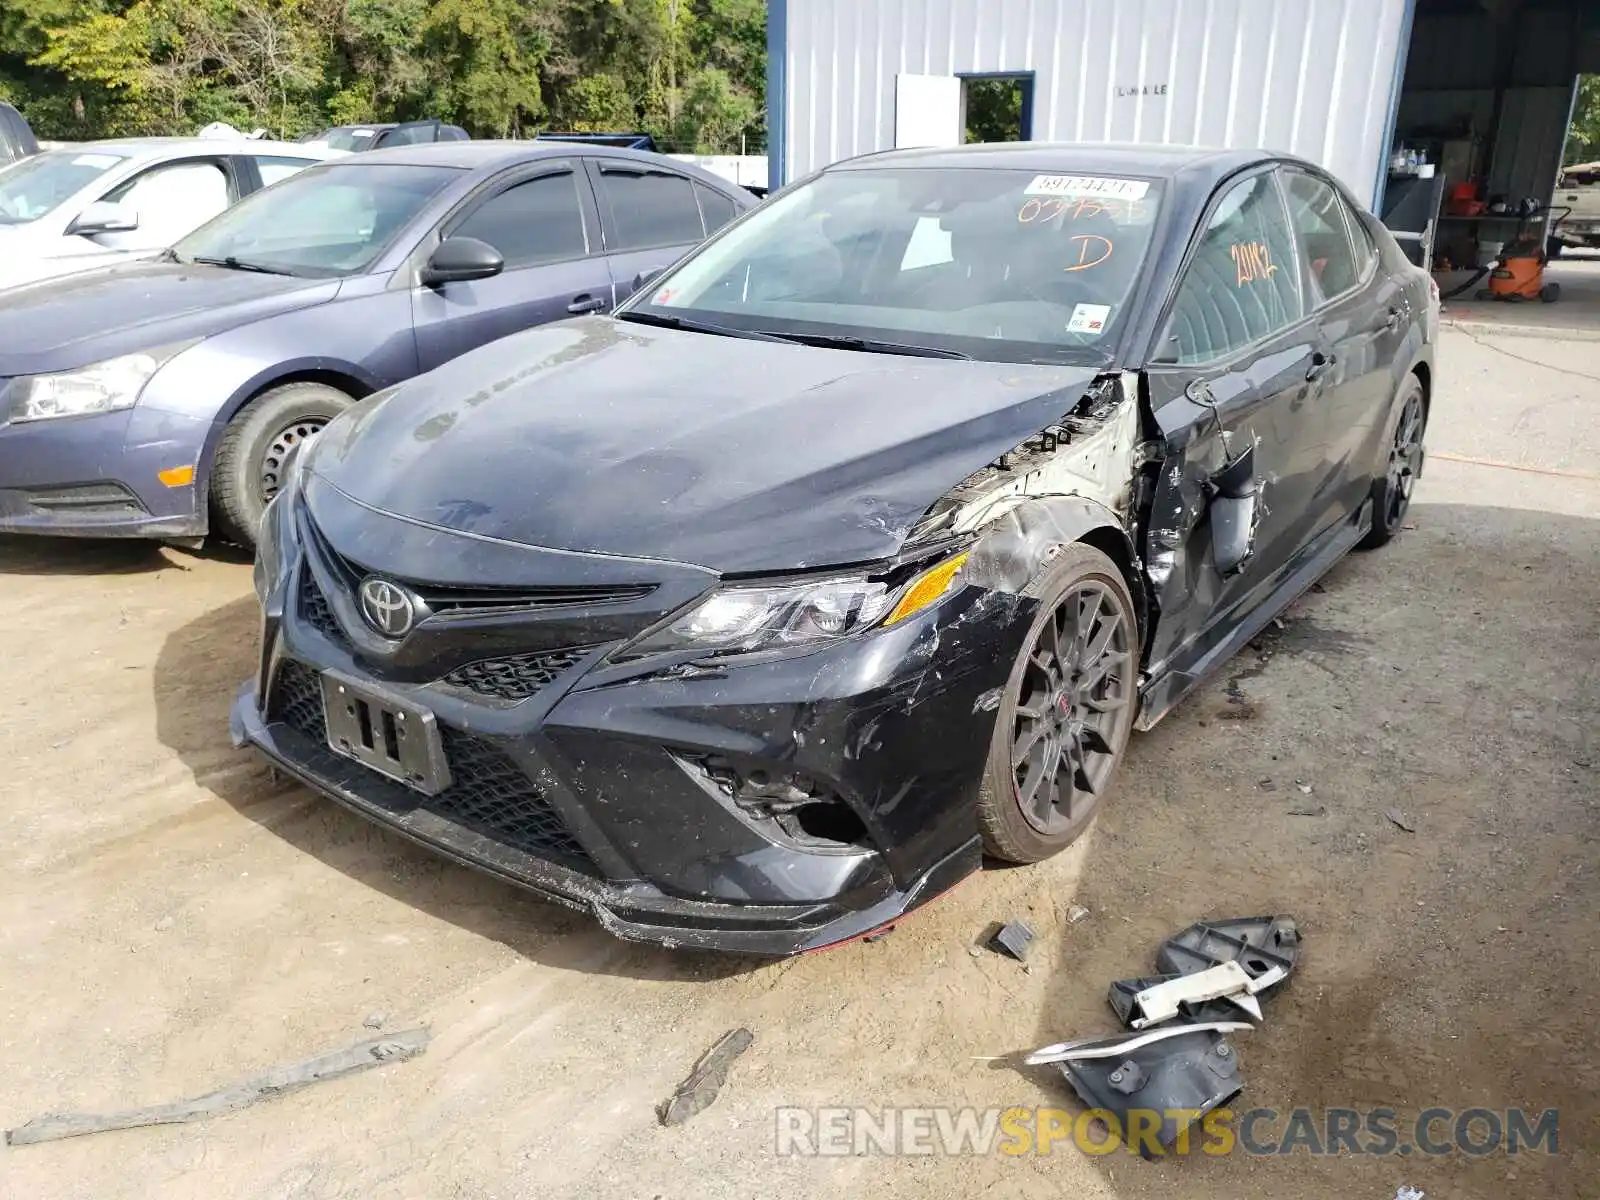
x=314, y=608
x=514, y=678
x=491, y=795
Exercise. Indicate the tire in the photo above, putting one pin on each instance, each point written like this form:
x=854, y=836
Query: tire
x=244, y=473
x=1086, y=741
x=1485, y=294
x=1391, y=491
x=1553, y=247
x=1550, y=293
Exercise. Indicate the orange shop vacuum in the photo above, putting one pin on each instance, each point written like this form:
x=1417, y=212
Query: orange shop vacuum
x=1519, y=273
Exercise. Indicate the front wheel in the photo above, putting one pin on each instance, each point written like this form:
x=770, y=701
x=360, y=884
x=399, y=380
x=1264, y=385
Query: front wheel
x=256, y=447
x=1066, y=711
x=1391, y=493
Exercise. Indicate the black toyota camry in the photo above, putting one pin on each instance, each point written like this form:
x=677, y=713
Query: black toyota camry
x=853, y=548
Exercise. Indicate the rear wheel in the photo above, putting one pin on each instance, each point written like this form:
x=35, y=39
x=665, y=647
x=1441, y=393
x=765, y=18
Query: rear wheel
x=1391, y=493
x=1066, y=713
x=256, y=447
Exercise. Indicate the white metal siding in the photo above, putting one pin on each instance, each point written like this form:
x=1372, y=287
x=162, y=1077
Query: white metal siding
x=1314, y=77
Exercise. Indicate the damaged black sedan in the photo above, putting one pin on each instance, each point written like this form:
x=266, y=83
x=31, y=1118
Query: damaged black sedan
x=852, y=549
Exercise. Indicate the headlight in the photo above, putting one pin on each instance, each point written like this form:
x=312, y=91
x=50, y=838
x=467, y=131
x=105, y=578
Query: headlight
x=100, y=387
x=749, y=619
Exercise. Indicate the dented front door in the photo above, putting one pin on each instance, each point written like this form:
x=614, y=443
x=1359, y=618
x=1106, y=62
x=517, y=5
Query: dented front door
x=1244, y=372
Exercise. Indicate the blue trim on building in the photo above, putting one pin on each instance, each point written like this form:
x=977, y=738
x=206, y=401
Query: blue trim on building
x=777, y=94
x=1396, y=86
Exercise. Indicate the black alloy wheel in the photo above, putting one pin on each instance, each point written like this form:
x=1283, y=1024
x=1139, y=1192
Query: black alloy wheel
x=1065, y=718
x=1391, y=494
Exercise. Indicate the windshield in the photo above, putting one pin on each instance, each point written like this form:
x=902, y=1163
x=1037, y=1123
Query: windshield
x=996, y=264
x=34, y=186
x=348, y=137
x=322, y=222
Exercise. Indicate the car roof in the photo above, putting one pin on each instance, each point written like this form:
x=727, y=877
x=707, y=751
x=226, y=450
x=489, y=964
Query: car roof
x=478, y=155
x=1159, y=161
x=159, y=147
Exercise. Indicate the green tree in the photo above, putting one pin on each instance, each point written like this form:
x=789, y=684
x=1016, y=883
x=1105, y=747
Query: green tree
x=1583, y=139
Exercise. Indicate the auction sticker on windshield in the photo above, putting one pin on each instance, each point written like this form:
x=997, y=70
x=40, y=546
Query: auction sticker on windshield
x=1087, y=185
x=1089, y=318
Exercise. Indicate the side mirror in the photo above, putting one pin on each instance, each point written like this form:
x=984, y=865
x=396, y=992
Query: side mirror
x=104, y=216
x=1233, y=512
x=460, y=260
x=645, y=278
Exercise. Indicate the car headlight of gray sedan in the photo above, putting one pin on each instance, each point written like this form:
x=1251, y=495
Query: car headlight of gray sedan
x=101, y=387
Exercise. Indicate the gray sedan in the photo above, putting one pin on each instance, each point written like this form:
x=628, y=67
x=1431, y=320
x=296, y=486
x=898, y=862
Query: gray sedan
x=162, y=399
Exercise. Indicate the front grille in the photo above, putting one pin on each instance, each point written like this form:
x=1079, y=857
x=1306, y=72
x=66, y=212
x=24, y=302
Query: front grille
x=514, y=678
x=314, y=608
x=490, y=794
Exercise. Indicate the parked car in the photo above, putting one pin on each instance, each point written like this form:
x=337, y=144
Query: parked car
x=852, y=549
x=16, y=138
x=356, y=138
x=159, y=399
x=105, y=202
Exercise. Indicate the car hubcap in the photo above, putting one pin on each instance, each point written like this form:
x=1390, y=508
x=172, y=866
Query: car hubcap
x=272, y=463
x=1404, y=459
x=1073, y=707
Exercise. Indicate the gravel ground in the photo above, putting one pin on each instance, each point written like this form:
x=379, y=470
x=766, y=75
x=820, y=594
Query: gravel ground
x=172, y=919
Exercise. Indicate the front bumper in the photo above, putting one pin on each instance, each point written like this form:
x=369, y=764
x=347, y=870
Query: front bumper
x=98, y=476
x=614, y=796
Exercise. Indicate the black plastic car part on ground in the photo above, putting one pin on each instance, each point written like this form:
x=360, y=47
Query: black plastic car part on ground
x=855, y=546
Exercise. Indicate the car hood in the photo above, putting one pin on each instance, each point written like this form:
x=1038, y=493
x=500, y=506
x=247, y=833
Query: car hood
x=738, y=455
x=60, y=324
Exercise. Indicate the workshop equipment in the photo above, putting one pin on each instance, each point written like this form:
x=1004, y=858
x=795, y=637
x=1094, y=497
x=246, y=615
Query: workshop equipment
x=1519, y=274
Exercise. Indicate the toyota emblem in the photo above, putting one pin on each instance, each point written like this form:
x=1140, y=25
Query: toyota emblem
x=387, y=607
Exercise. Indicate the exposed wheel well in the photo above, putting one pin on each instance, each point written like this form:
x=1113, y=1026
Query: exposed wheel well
x=1113, y=543
x=1425, y=377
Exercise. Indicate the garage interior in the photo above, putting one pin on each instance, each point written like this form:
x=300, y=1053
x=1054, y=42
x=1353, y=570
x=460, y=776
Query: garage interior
x=1480, y=128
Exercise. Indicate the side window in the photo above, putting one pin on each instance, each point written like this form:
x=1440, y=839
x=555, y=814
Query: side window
x=716, y=208
x=174, y=199
x=1243, y=283
x=1319, y=223
x=274, y=168
x=1366, y=248
x=538, y=221
x=650, y=208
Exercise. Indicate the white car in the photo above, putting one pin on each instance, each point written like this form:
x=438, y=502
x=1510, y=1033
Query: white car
x=100, y=203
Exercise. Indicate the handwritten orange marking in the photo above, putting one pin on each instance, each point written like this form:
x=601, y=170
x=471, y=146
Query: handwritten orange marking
x=1252, y=261
x=1084, y=261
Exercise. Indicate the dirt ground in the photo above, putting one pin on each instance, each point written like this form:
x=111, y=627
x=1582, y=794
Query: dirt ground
x=172, y=920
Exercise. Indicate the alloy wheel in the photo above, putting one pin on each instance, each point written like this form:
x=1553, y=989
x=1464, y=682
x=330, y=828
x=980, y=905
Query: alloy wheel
x=279, y=449
x=1404, y=459
x=1074, y=701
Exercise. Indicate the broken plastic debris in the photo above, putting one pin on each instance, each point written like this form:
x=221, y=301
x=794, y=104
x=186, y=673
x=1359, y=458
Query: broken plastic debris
x=1407, y=1193
x=1014, y=938
x=696, y=1093
x=1225, y=981
x=379, y=1052
x=1400, y=819
x=1077, y=914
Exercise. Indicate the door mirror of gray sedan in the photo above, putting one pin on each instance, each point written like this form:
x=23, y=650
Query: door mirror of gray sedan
x=645, y=278
x=459, y=259
x=105, y=216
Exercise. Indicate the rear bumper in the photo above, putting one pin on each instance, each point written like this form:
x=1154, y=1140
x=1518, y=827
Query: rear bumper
x=98, y=476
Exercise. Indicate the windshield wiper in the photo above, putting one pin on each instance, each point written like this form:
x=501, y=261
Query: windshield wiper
x=692, y=326
x=841, y=341
x=239, y=264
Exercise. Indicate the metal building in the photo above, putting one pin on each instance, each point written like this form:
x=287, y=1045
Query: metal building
x=1337, y=81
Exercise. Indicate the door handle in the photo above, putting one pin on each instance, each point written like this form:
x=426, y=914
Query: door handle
x=586, y=304
x=1391, y=319
x=1320, y=363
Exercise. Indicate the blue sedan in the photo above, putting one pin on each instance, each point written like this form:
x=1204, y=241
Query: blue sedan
x=162, y=399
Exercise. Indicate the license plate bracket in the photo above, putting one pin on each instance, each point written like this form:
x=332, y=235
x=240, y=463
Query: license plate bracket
x=394, y=738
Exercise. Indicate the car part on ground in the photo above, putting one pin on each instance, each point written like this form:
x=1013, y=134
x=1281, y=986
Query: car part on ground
x=1156, y=1090
x=377, y=1052
x=697, y=1092
x=1176, y=1066
x=1014, y=939
x=856, y=590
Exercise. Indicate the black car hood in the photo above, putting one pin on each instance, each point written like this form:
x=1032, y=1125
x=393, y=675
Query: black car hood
x=738, y=455
x=60, y=324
